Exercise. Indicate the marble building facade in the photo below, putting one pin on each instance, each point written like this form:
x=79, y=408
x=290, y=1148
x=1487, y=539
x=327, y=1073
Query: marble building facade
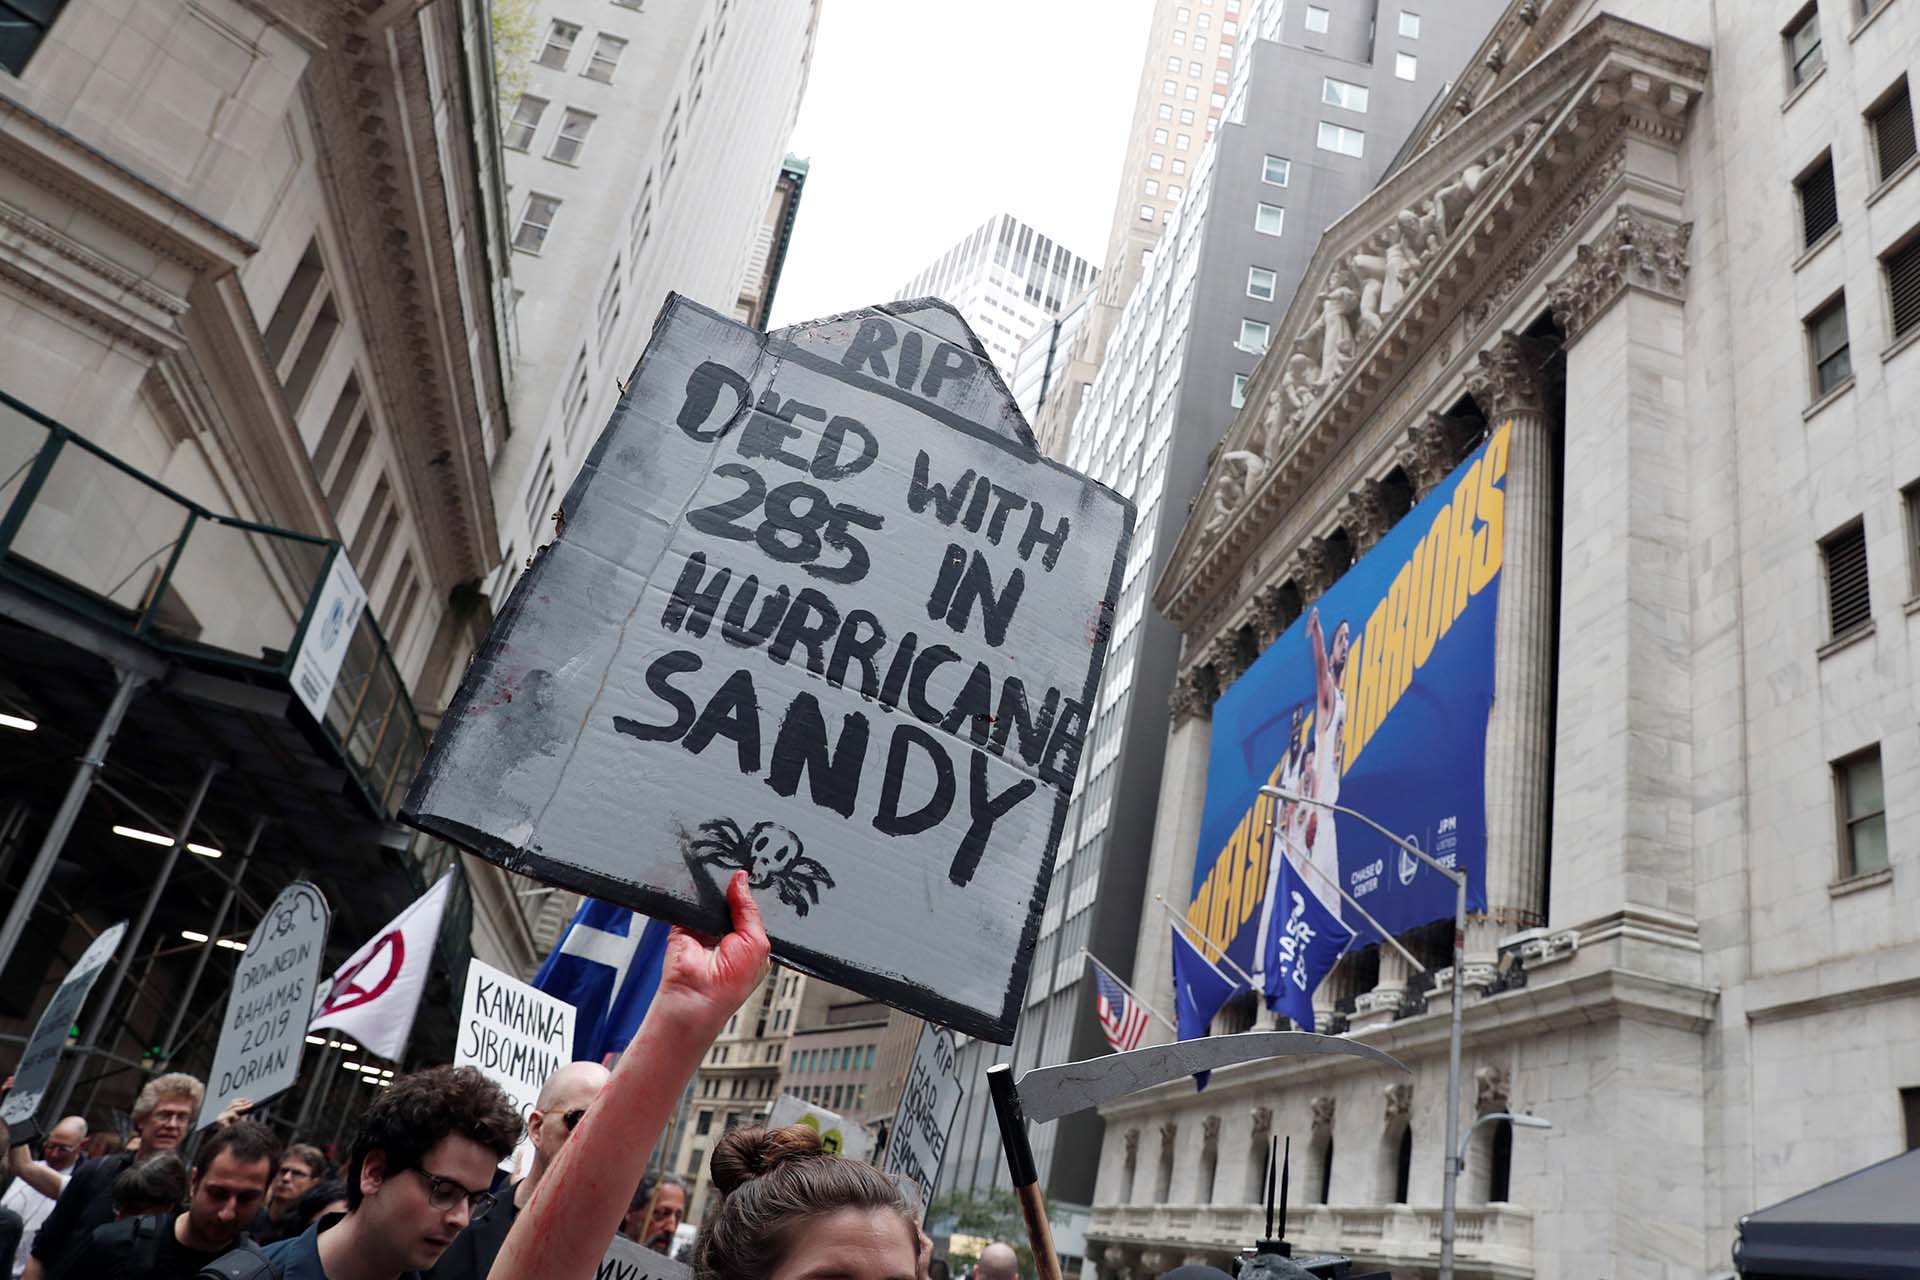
x=1626, y=234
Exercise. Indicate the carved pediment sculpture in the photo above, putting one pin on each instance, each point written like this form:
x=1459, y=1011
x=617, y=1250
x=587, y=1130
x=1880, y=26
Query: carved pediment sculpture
x=1262, y=1118
x=1210, y=1132
x=1363, y=289
x=1323, y=1111
x=1493, y=1087
x=1399, y=1101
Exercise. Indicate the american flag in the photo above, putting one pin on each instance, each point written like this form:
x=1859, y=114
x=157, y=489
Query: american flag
x=1122, y=1019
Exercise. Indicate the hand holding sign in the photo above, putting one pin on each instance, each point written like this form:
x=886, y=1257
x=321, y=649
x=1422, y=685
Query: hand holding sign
x=705, y=979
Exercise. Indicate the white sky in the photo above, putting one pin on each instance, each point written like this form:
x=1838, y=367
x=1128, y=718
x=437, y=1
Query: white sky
x=923, y=118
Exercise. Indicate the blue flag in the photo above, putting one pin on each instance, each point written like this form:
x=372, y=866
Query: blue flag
x=1199, y=990
x=607, y=966
x=1302, y=949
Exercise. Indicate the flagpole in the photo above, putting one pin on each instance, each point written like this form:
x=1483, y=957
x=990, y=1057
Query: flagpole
x=1192, y=931
x=1131, y=993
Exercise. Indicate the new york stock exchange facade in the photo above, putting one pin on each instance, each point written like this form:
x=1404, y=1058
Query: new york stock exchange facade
x=1694, y=963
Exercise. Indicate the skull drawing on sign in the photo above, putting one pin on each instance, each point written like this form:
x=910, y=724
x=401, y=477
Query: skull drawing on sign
x=772, y=856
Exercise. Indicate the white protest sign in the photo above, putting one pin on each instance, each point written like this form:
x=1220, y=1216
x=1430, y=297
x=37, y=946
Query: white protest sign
x=929, y=1104
x=838, y=1135
x=514, y=1034
x=818, y=610
x=626, y=1260
x=323, y=645
x=265, y=1027
x=34, y=1072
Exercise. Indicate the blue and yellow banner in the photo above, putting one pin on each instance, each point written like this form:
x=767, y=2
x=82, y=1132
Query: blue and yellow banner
x=1376, y=699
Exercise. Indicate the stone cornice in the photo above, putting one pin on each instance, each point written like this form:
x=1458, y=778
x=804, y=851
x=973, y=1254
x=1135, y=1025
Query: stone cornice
x=1545, y=155
x=377, y=155
x=59, y=162
x=1605, y=995
x=88, y=285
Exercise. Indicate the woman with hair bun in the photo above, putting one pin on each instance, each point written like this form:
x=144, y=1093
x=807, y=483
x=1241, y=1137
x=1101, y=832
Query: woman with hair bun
x=792, y=1211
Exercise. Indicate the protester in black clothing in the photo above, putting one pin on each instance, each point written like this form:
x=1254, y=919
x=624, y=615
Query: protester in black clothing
x=163, y=1115
x=153, y=1186
x=231, y=1173
x=301, y=1166
x=563, y=1099
x=328, y=1197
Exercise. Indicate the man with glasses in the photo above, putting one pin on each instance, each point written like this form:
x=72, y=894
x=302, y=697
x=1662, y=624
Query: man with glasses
x=419, y=1171
x=163, y=1114
x=37, y=1184
x=563, y=1099
x=300, y=1171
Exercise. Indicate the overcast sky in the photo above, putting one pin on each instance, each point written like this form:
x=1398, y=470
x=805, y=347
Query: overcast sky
x=923, y=118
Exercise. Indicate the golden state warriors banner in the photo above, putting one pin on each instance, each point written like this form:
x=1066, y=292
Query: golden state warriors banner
x=1376, y=699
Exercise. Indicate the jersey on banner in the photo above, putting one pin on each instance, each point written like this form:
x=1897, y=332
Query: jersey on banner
x=1376, y=700
x=818, y=610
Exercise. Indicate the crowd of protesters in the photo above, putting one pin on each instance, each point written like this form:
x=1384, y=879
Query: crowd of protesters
x=417, y=1193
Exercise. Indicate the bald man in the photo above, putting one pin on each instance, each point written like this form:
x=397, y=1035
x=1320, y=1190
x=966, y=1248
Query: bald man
x=563, y=1099
x=37, y=1184
x=997, y=1262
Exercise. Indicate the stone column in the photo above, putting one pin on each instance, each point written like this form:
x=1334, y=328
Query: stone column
x=1389, y=995
x=1510, y=388
x=1364, y=516
x=1176, y=833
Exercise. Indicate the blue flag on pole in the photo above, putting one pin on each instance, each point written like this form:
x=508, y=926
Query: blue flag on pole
x=1199, y=990
x=1303, y=949
x=607, y=966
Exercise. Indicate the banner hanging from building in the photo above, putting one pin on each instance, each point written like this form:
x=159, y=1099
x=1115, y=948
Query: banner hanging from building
x=1375, y=699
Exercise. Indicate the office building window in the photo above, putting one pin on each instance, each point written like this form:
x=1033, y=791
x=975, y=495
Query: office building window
x=1199, y=44
x=1146, y=213
x=1910, y=502
x=1239, y=397
x=1253, y=335
x=1183, y=14
x=23, y=25
x=1152, y=187
x=1179, y=165
x=572, y=137
x=606, y=56
x=1802, y=38
x=1819, y=209
x=1409, y=25
x=1194, y=69
x=1902, y=269
x=1156, y=161
x=536, y=220
x=1221, y=76
x=1173, y=192
x=1192, y=93
x=1260, y=283
x=1205, y=20
x=1166, y=112
x=1276, y=171
x=1218, y=101
x=1181, y=142
x=1169, y=88
x=1160, y=137
x=526, y=119
x=1849, y=600
x=1173, y=63
x=1180, y=38
x=1269, y=219
x=1891, y=122
x=1861, y=799
x=1341, y=93
x=1186, y=115
x=1828, y=347
x=1340, y=139
x=1166, y=217
x=1317, y=19
x=1406, y=66
x=560, y=38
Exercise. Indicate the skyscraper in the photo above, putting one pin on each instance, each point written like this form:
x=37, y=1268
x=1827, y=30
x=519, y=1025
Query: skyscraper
x=640, y=152
x=1007, y=280
x=1319, y=103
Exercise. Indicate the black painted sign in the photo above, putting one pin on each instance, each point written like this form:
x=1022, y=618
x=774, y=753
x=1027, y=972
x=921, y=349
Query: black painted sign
x=820, y=611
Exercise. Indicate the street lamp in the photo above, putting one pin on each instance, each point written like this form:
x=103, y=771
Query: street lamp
x=1450, y=1180
x=1517, y=1121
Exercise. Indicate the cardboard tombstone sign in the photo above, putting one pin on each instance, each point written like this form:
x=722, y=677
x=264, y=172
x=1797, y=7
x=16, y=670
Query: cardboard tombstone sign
x=33, y=1073
x=264, y=1030
x=816, y=609
x=929, y=1104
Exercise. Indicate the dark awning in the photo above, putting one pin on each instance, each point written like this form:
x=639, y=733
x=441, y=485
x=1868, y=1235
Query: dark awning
x=1865, y=1226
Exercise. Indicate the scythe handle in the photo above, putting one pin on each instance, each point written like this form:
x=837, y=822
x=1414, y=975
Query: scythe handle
x=1026, y=1180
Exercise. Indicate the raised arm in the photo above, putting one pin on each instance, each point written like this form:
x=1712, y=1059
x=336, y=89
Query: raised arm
x=38, y=1176
x=1322, y=676
x=565, y=1229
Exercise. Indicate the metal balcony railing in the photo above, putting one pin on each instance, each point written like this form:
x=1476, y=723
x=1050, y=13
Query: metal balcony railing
x=95, y=534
